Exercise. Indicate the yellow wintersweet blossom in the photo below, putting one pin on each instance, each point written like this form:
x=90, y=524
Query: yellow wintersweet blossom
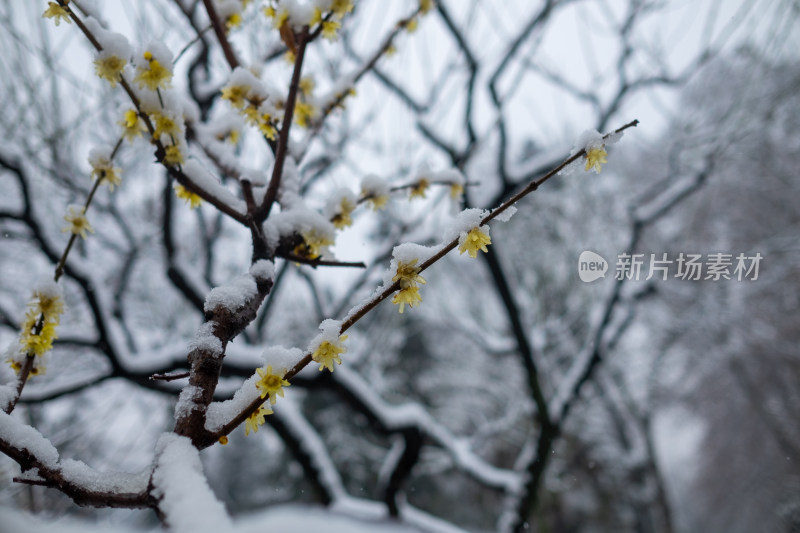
x=164, y=124
x=278, y=17
x=41, y=343
x=223, y=440
x=233, y=21
x=377, y=202
x=266, y=125
x=330, y=29
x=303, y=112
x=408, y=277
x=191, y=198
x=306, y=85
x=48, y=304
x=420, y=188
x=109, y=67
x=55, y=11
x=408, y=274
x=425, y=6
x=313, y=243
x=342, y=7
x=328, y=352
x=132, y=127
x=236, y=94
x=343, y=218
x=173, y=156
x=595, y=159
x=271, y=384
x=104, y=170
x=256, y=419
x=154, y=75
x=411, y=25
x=456, y=190
x=473, y=241
x=77, y=222
x=409, y=295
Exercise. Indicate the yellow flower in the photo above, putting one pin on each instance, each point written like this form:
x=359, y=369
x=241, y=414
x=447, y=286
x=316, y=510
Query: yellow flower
x=378, y=202
x=223, y=440
x=271, y=384
x=409, y=295
x=456, y=190
x=236, y=94
x=154, y=75
x=78, y=223
x=313, y=243
x=419, y=189
x=425, y=6
x=328, y=352
x=183, y=193
x=33, y=342
x=48, y=304
x=408, y=274
x=390, y=50
x=132, y=127
x=342, y=219
x=256, y=419
x=411, y=25
x=278, y=18
x=306, y=85
x=330, y=29
x=595, y=159
x=173, y=156
x=103, y=170
x=473, y=241
x=267, y=127
x=316, y=17
x=303, y=112
x=109, y=67
x=165, y=124
x=55, y=11
x=233, y=21
x=342, y=7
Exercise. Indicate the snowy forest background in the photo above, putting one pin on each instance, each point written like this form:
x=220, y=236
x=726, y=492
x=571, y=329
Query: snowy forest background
x=515, y=396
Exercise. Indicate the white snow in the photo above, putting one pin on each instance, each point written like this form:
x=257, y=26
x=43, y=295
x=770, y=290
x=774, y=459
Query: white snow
x=282, y=359
x=220, y=413
x=232, y=296
x=186, y=500
x=464, y=222
x=202, y=178
x=21, y=436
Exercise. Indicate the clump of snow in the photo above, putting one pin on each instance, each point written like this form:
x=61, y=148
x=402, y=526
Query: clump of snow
x=506, y=215
x=117, y=482
x=159, y=52
x=114, y=44
x=331, y=329
x=464, y=222
x=201, y=177
x=333, y=206
x=187, y=401
x=262, y=270
x=232, y=296
x=188, y=504
x=220, y=413
x=406, y=253
x=375, y=186
x=280, y=358
x=24, y=437
x=205, y=341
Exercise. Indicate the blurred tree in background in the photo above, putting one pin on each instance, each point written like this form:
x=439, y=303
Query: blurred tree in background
x=513, y=397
